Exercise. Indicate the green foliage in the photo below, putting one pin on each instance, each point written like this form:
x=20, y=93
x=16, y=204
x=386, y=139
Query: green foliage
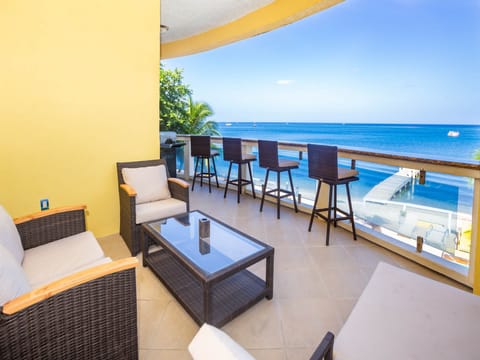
x=178, y=112
x=476, y=154
x=174, y=95
x=196, y=123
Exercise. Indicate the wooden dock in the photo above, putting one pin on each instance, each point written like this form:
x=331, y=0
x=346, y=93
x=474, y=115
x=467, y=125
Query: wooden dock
x=391, y=186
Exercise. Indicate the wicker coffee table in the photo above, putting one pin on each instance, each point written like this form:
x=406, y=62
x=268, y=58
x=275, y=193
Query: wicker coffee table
x=209, y=277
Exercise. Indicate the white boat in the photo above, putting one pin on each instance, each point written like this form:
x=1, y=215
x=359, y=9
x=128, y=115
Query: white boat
x=453, y=133
x=228, y=124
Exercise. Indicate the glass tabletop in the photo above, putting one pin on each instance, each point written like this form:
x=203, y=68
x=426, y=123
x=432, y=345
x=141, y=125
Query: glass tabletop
x=224, y=247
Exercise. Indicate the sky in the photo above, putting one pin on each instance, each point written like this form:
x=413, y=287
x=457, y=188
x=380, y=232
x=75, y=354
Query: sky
x=364, y=61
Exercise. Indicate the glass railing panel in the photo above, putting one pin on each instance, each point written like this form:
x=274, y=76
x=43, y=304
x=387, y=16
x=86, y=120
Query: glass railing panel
x=391, y=201
x=180, y=162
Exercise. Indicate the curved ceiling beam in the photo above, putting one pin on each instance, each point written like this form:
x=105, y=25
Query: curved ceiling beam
x=267, y=18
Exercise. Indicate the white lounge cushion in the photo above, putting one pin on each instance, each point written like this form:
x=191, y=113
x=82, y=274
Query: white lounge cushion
x=159, y=209
x=13, y=281
x=9, y=236
x=150, y=183
x=212, y=343
x=401, y=315
x=52, y=261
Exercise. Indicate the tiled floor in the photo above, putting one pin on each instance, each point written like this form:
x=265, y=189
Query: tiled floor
x=315, y=286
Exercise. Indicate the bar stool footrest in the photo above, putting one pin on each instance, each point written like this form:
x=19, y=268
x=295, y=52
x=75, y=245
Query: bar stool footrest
x=286, y=193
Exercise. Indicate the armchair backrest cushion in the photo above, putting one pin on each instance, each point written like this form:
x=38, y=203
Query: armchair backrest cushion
x=149, y=182
x=9, y=236
x=12, y=277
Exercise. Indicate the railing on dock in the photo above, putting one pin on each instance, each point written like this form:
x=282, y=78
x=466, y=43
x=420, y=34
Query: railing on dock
x=450, y=235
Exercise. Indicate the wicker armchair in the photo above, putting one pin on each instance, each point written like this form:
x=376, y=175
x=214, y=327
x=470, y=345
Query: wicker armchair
x=130, y=225
x=91, y=314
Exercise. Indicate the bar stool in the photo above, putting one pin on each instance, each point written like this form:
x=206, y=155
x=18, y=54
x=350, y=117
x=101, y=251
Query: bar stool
x=232, y=152
x=200, y=148
x=323, y=166
x=268, y=158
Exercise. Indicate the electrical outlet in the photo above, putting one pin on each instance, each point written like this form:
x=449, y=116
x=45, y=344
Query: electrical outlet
x=44, y=205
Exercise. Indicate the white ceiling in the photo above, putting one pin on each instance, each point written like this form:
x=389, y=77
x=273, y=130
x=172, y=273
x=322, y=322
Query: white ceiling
x=186, y=18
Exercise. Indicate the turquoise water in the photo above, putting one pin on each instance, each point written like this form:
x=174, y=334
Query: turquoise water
x=426, y=141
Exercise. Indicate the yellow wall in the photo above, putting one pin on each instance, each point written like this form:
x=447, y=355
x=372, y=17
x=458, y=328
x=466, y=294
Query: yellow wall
x=78, y=92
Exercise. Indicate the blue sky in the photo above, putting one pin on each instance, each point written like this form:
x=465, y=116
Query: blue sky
x=399, y=61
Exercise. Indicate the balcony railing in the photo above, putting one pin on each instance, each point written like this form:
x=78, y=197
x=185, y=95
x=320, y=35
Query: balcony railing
x=392, y=207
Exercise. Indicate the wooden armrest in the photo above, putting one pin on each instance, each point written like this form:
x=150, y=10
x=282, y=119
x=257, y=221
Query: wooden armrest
x=68, y=282
x=180, y=182
x=128, y=189
x=44, y=213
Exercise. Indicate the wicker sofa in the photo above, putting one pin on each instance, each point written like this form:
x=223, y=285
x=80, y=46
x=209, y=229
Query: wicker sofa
x=88, y=311
x=149, y=195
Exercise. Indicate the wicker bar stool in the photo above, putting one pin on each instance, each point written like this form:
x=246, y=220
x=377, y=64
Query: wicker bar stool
x=200, y=148
x=323, y=166
x=232, y=152
x=268, y=158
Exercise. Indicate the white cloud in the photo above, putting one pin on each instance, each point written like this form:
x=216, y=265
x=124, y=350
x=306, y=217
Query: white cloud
x=284, y=82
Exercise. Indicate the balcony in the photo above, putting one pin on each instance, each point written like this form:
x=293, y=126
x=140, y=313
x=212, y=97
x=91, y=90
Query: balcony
x=315, y=287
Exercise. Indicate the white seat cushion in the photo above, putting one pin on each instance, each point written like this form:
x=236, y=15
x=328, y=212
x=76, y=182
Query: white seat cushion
x=13, y=281
x=9, y=236
x=287, y=163
x=346, y=173
x=159, y=209
x=212, y=343
x=52, y=261
x=401, y=315
x=150, y=183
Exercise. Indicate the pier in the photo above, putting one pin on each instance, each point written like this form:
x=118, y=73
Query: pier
x=391, y=186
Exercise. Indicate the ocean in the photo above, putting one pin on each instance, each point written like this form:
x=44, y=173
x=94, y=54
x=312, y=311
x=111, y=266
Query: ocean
x=426, y=141
x=441, y=142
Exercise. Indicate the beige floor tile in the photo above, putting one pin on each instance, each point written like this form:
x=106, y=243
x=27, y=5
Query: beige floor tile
x=305, y=322
x=164, y=325
x=267, y=354
x=258, y=328
x=114, y=247
x=164, y=355
x=370, y=256
x=345, y=282
x=345, y=307
x=300, y=283
x=290, y=258
x=300, y=353
x=330, y=257
x=149, y=286
x=338, y=235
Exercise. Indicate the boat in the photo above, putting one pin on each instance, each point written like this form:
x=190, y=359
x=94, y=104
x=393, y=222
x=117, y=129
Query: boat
x=228, y=124
x=453, y=133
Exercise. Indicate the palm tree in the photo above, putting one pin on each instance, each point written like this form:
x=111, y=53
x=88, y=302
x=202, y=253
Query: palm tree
x=195, y=121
